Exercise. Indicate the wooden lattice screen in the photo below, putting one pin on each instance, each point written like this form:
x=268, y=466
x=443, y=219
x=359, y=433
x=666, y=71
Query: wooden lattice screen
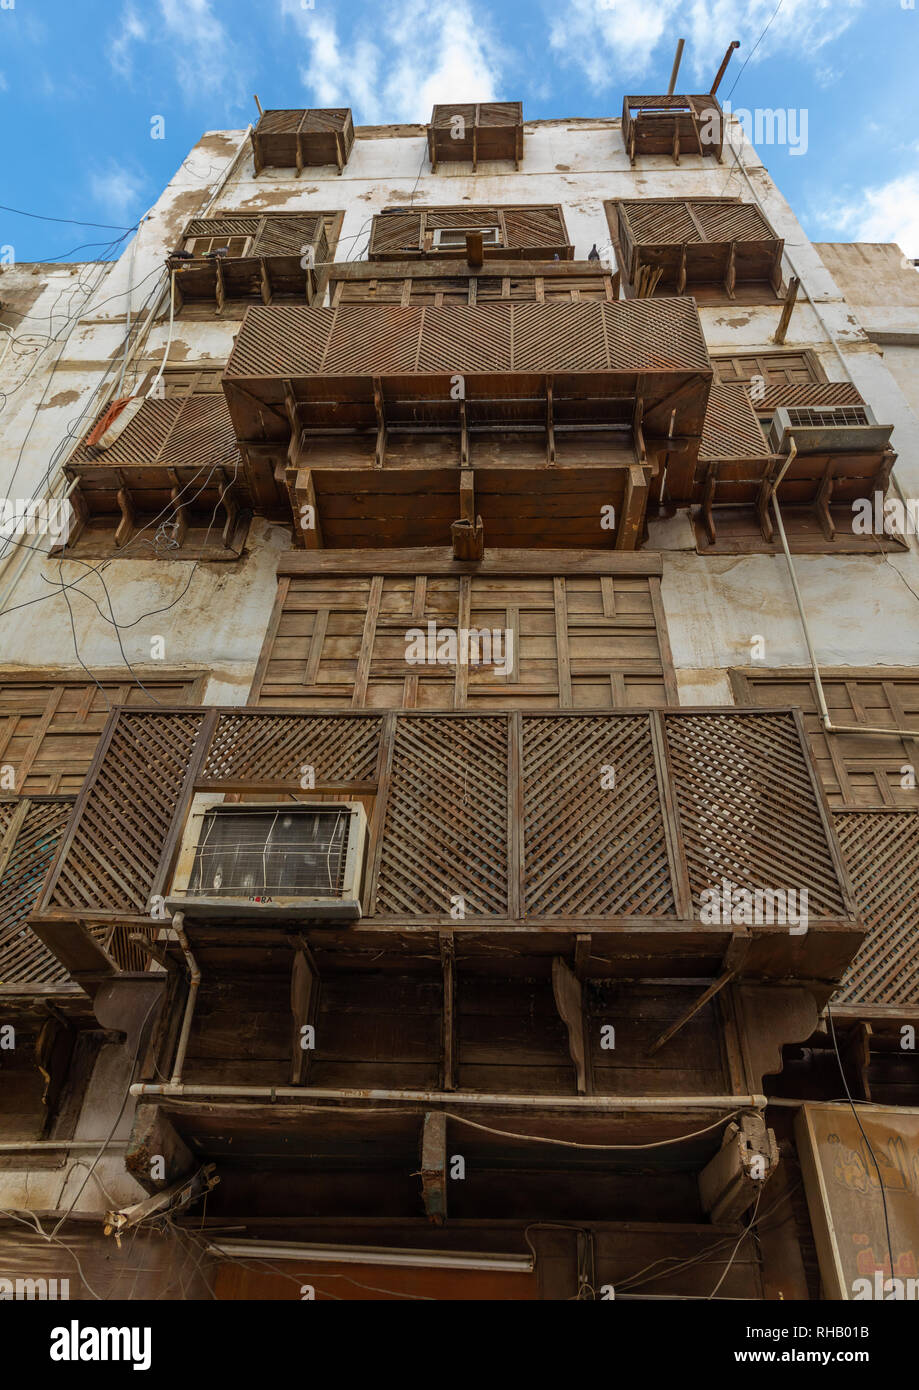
x=881, y=849
x=589, y=641
x=857, y=769
x=552, y=816
x=30, y=830
x=49, y=729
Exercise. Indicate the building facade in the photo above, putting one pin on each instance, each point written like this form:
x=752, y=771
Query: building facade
x=458, y=728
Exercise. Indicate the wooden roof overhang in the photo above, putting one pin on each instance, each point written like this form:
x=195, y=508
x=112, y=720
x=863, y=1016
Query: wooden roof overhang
x=476, y=131
x=672, y=125
x=701, y=795
x=286, y=139
x=505, y=365
x=671, y=244
x=456, y=281
x=737, y=467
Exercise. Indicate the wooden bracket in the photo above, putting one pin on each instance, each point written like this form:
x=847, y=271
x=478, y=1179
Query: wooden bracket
x=125, y=527
x=434, y=1166
x=550, y=423
x=790, y=297
x=448, y=1029
x=633, y=509
x=823, y=499
x=567, y=990
x=730, y=275
x=714, y=988
x=475, y=253
x=748, y=1157
x=180, y=513
x=378, y=405
x=304, y=999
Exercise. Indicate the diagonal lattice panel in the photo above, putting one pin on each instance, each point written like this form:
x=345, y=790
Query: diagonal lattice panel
x=445, y=833
x=590, y=848
x=732, y=430
x=275, y=748
x=748, y=809
x=115, y=852
x=24, y=958
x=881, y=850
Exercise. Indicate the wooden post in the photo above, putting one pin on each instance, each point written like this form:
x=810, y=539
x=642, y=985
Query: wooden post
x=678, y=58
x=434, y=1166
x=790, y=297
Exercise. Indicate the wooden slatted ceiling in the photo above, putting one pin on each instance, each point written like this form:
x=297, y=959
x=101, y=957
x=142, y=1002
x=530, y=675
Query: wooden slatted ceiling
x=592, y=641
x=881, y=849
x=856, y=769
x=49, y=729
x=455, y=282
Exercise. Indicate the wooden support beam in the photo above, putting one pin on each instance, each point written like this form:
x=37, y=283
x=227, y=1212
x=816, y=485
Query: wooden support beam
x=434, y=1166
x=219, y=286
x=856, y=1055
x=730, y=1182
x=468, y=534
x=714, y=988
x=230, y=509
x=302, y=489
x=180, y=514
x=730, y=274
x=785, y=319
x=298, y=154
x=566, y=988
x=681, y=273
x=304, y=997
x=448, y=1017
x=676, y=141
x=763, y=515
x=550, y=423
x=633, y=509
x=378, y=405
x=80, y=515
x=125, y=528
x=724, y=66
x=823, y=499
x=264, y=280
x=677, y=59
x=708, y=496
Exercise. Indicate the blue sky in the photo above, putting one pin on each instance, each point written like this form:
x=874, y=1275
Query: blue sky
x=82, y=80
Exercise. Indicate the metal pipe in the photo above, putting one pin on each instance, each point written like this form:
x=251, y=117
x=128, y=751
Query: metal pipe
x=676, y=67
x=10, y=1146
x=194, y=980
x=459, y=1098
x=825, y=716
x=371, y=1255
x=724, y=66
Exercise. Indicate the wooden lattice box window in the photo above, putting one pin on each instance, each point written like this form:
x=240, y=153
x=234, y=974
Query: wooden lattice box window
x=856, y=769
x=49, y=729
x=564, y=641
x=301, y=138
x=714, y=248
x=476, y=131
x=509, y=232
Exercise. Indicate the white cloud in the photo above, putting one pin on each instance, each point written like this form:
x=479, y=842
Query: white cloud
x=117, y=191
x=192, y=38
x=427, y=51
x=615, y=39
x=4, y=85
x=886, y=212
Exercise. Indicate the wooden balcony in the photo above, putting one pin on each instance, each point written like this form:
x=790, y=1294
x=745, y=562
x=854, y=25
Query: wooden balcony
x=303, y=139
x=700, y=797
x=457, y=282
x=476, y=131
x=241, y=257
x=175, y=474
x=553, y=410
x=476, y=233
x=672, y=125
x=839, y=457
x=675, y=246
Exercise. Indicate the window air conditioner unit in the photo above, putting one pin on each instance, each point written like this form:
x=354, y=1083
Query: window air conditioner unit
x=454, y=238
x=288, y=861
x=827, y=429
